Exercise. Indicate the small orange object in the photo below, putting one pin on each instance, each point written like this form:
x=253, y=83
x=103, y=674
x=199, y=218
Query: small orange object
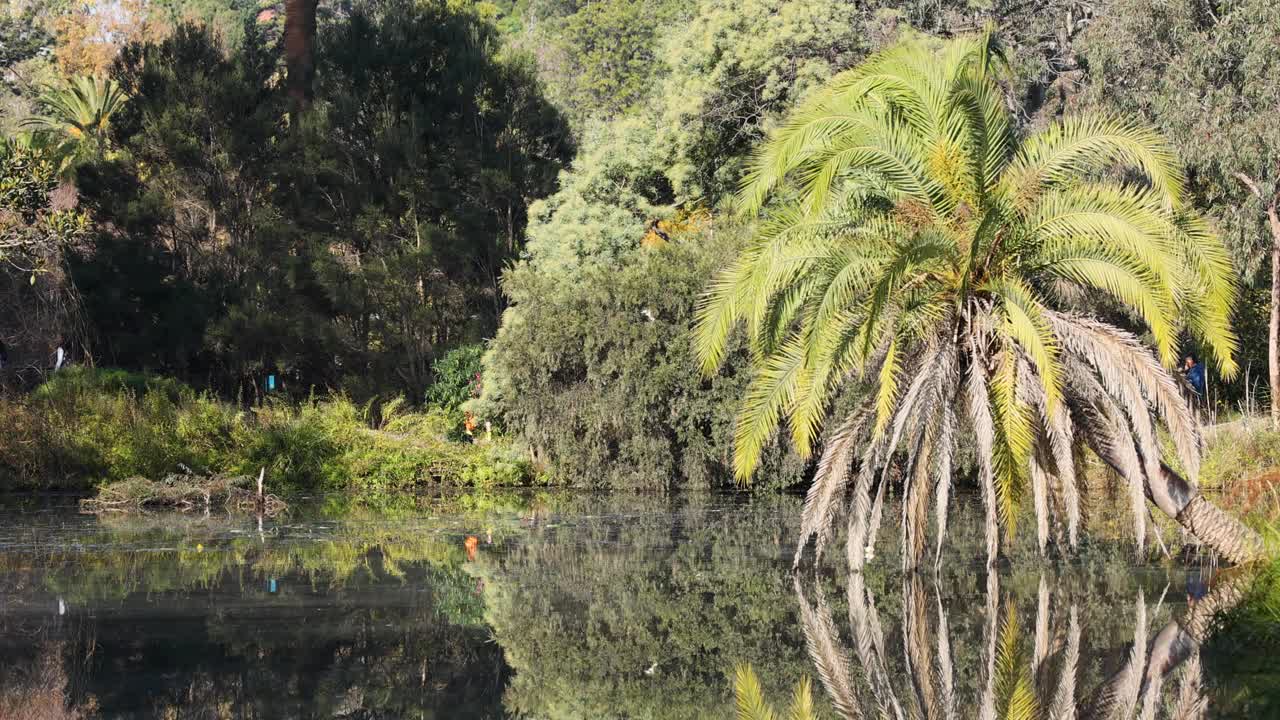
x=471, y=543
x=469, y=423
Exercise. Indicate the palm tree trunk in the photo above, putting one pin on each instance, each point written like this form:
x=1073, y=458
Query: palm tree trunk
x=299, y=48
x=1210, y=524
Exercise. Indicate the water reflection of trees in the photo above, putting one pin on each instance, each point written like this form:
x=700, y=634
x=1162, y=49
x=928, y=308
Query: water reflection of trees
x=365, y=620
x=638, y=611
x=631, y=618
x=1044, y=671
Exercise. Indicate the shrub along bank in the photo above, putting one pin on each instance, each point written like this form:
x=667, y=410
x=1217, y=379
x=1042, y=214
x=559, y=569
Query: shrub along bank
x=86, y=427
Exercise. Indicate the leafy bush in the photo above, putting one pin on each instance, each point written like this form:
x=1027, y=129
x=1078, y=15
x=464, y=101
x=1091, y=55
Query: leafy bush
x=595, y=371
x=98, y=426
x=455, y=375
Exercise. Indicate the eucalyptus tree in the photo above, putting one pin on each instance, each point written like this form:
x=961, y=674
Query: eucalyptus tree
x=911, y=240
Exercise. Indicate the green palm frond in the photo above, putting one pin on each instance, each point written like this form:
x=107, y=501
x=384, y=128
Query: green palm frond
x=802, y=701
x=1085, y=144
x=78, y=110
x=748, y=695
x=900, y=212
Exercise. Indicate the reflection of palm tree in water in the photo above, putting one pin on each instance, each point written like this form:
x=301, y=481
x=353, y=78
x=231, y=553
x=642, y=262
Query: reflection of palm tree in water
x=1014, y=683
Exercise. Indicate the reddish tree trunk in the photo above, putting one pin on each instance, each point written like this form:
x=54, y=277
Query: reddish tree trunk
x=299, y=48
x=1273, y=334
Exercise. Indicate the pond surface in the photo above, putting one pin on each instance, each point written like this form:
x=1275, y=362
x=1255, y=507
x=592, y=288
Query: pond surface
x=584, y=606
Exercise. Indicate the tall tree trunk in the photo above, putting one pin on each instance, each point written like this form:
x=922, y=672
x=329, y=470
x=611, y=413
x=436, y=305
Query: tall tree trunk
x=299, y=49
x=1273, y=333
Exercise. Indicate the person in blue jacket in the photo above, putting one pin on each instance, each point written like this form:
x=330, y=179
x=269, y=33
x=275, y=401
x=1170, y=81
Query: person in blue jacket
x=1194, y=371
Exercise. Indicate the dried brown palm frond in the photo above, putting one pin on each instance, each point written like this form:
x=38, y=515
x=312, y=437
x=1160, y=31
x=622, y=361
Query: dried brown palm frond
x=828, y=654
x=1063, y=706
x=826, y=494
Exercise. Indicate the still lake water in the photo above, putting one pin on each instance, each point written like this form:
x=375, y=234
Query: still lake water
x=569, y=606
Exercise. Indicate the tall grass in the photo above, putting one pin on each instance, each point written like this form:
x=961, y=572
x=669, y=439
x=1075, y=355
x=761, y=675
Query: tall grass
x=85, y=427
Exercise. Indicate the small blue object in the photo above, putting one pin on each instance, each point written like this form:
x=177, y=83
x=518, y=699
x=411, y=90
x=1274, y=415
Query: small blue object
x=1195, y=376
x=272, y=585
x=271, y=382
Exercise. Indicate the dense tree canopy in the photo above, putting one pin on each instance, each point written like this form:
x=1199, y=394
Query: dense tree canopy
x=348, y=246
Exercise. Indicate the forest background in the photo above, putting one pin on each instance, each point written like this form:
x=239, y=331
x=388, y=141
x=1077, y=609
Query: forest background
x=498, y=213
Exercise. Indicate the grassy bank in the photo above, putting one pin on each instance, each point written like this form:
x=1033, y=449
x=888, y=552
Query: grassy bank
x=88, y=427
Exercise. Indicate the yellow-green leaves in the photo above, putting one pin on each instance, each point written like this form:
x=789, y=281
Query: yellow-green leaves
x=1015, y=687
x=1025, y=323
x=1085, y=144
x=1014, y=437
x=751, y=704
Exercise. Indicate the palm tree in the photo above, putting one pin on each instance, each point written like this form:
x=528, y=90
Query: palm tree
x=77, y=114
x=911, y=242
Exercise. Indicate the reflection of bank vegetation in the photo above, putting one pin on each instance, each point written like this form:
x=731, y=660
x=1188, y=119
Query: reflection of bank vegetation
x=38, y=689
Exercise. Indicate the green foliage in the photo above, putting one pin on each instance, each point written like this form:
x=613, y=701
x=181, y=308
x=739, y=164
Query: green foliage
x=604, y=203
x=33, y=230
x=342, y=248
x=1238, y=453
x=21, y=38
x=594, y=370
x=87, y=426
x=604, y=56
x=1249, y=683
x=735, y=67
x=457, y=377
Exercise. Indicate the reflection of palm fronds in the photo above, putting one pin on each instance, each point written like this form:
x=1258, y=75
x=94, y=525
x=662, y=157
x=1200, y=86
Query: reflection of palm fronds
x=946, y=673
x=1023, y=678
x=1064, y=700
x=752, y=705
x=1191, y=703
x=1015, y=686
x=869, y=644
x=918, y=650
x=827, y=654
x=1118, y=697
x=987, y=703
